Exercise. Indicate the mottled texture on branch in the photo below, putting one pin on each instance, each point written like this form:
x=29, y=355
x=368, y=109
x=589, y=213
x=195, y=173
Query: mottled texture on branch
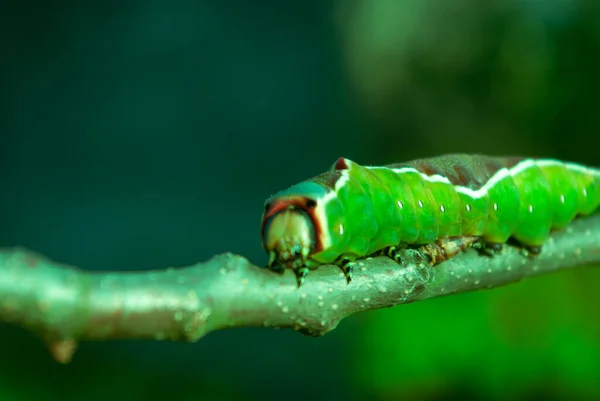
x=64, y=305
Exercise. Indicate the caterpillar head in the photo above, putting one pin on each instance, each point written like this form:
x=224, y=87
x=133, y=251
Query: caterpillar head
x=289, y=233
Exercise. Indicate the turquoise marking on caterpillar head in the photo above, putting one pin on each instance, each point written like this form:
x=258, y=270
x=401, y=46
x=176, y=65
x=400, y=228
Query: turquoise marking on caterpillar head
x=291, y=225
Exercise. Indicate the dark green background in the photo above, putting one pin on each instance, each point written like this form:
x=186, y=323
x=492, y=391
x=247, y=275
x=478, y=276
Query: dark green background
x=147, y=134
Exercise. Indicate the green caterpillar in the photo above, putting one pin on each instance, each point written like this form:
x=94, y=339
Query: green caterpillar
x=353, y=211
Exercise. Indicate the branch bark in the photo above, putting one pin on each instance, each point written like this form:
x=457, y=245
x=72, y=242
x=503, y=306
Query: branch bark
x=63, y=305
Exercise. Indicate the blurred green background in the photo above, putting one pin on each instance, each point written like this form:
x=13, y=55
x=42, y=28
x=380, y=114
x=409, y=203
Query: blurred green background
x=147, y=134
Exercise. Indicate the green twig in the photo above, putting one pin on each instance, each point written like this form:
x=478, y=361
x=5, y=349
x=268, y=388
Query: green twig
x=64, y=305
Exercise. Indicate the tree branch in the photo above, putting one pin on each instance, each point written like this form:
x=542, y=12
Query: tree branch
x=64, y=305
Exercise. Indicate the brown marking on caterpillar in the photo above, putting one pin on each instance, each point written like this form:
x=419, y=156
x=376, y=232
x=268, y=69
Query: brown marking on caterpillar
x=340, y=164
x=329, y=178
x=447, y=248
x=471, y=171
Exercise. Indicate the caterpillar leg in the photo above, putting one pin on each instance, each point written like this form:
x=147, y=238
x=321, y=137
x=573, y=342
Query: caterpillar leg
x=347, y=265
x=533, y=251
x=493, y=248
x=488, y=248
x=298, y=266
x=527, y=250
x=300, y=272
x=348, y=269
x=394, y=252
x=273, y=265
x=435, y=252
x=296, y=260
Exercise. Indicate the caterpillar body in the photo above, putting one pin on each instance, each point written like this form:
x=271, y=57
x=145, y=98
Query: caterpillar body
x=352, y=211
